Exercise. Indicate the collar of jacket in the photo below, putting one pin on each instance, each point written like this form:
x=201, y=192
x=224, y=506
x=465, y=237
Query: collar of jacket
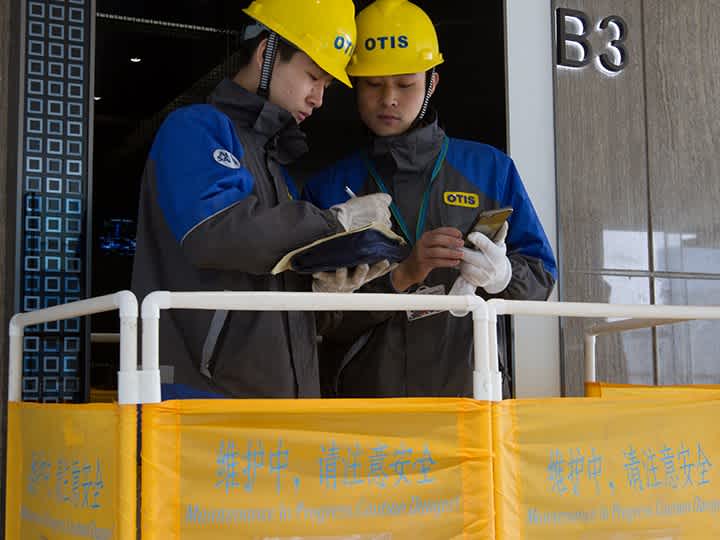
x=275, y=128
x=412, y=151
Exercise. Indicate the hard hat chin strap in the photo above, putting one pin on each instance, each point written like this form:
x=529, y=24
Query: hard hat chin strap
x=429, y=78
x=267, y=65
x=428, y=92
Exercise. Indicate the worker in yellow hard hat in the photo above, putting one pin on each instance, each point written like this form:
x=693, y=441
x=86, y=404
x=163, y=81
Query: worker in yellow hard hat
x=217, y=211
x=440, y=186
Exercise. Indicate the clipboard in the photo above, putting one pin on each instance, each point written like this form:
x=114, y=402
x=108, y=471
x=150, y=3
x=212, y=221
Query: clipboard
x=384, y=233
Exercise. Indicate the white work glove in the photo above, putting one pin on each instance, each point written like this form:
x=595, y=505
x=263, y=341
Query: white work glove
x=487, y=266
x=362, y=211
x=344, y=280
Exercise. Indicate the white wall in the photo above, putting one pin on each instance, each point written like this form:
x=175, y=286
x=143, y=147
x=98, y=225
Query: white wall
x=531, y=143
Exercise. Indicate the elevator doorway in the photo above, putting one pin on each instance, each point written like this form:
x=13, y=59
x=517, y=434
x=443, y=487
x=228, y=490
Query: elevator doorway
x=153, y=57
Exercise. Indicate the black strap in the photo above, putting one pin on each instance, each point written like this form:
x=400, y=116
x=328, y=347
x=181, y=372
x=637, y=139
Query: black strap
x=267, y=66
x=428, y=93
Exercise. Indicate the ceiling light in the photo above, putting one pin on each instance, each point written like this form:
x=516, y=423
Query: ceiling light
x=136, y=59
x=97, y=98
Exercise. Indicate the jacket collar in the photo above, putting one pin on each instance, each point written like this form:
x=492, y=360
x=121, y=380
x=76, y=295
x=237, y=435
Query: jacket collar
x=412, y=151
x=274, y=127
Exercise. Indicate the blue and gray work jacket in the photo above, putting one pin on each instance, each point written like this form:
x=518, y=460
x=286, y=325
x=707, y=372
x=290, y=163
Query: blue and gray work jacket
x=216, y=213
x=386, y=354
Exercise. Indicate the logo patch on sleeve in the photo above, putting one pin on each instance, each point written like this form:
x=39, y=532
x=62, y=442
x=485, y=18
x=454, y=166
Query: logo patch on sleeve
x=460, y=198
x=226, y=159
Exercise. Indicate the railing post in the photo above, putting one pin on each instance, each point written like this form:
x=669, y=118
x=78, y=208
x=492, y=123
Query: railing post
x=590, y=362
x=128, y=378
x=17, y=334
x=150, y=372
x=494, y=358
x=482, y=371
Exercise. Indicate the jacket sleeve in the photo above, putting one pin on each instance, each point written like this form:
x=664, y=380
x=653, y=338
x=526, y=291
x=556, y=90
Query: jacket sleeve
x=534, y=270
x=209, y=199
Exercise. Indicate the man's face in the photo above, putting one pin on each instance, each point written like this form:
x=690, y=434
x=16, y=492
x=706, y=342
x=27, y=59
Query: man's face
x=389, y=105
x=298, y=86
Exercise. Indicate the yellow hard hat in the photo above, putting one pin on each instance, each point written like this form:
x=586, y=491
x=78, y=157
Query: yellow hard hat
x=322, y=29
x=395, y=37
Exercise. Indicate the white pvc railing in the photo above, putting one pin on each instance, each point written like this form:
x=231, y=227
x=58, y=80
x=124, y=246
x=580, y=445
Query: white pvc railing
x=634, y=317
x=144, y=386
x=605, y=328
x=123, y=301
x=487, y=381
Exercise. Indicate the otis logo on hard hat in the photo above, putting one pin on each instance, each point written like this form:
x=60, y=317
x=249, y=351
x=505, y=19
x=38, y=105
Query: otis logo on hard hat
x=386, y=42
x=460, y=198
x=345, y=44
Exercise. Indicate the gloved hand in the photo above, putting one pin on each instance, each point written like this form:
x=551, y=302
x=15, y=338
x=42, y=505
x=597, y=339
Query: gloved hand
x=344, y=280
x=438, y=248
x=487, y=266
x=361, y=211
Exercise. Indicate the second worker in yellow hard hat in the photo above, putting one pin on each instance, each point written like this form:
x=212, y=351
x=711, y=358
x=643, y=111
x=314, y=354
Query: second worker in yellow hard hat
x=439, y=186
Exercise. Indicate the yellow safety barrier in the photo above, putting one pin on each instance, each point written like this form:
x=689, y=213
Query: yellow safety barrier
x=71, y=472
x=619, y=468
x=613, y=390
x=607, y=469
x=333, y=469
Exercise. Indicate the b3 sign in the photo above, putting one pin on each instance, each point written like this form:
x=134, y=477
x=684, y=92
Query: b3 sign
x=574, y=30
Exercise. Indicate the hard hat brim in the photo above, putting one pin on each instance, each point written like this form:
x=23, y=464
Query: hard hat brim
x=367, y=70
x=289, y=36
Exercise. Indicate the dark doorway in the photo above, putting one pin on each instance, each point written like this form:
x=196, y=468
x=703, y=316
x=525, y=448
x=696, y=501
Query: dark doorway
x=185, y=48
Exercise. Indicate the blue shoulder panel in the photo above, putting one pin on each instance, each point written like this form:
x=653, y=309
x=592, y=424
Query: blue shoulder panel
x=481, y=164
x=496, y=176
x=198, y=167
x=327, y=188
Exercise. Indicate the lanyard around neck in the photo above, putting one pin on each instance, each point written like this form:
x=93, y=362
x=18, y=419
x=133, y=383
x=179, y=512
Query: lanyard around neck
x=420, y=227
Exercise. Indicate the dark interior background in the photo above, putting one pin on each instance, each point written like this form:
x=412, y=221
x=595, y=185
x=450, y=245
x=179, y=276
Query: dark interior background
x=186, y=47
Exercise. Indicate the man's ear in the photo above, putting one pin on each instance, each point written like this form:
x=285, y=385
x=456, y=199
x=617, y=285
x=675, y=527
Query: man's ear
x=435, y=81
x=260, y=53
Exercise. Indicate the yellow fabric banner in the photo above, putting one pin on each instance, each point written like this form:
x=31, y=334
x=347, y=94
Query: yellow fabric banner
x=71, y=472
x=696, y=391
x=313, y=469
x=607, y=468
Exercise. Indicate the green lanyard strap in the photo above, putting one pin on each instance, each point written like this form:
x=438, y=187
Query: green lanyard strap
x=420, y=227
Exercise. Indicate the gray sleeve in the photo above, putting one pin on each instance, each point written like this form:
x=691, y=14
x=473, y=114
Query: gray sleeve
x=530, y=280
x=250, y=238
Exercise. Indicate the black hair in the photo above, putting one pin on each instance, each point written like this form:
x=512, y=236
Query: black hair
x=248, y=46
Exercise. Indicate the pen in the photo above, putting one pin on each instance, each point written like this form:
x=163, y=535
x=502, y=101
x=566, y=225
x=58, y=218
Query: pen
x=350, y=192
